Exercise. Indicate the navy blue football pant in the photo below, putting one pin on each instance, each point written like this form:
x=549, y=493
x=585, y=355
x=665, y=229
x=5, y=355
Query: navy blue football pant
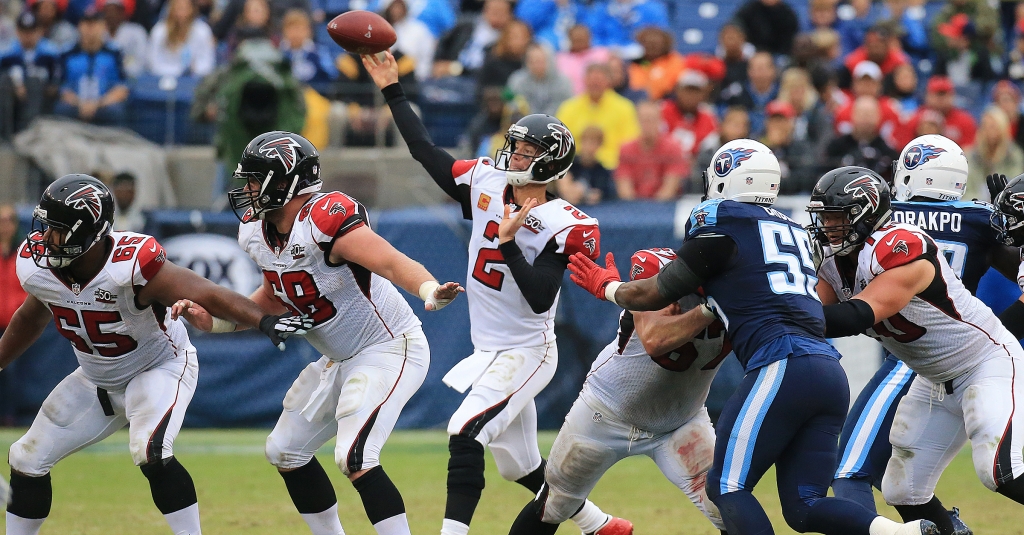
x=788, y=413
x=864, y=445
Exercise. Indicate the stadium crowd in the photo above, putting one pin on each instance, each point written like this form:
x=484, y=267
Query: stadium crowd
x=823, y=85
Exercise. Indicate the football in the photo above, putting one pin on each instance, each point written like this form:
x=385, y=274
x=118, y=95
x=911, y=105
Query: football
x=362, y=32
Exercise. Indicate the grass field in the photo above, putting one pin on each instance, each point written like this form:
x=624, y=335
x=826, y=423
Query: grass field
x=98, y=491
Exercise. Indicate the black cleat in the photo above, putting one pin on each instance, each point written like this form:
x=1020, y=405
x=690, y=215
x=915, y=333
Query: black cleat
x=959, y=528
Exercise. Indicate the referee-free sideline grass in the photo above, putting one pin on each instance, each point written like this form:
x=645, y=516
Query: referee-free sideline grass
x=99, y=491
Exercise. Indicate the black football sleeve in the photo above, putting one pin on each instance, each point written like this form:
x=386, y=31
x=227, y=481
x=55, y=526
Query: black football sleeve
x=699, y=258
x=540, y=281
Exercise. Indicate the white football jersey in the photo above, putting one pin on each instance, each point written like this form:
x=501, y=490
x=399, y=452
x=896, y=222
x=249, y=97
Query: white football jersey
x=501, y=316
x=114, y=340
x=351, y=307
x=944, y=331
x=655, y=393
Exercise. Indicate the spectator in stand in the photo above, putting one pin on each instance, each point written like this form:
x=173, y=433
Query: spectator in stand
x=573, y=63
x=855, y=20
x=311, y=63
x=615, y=23
x=620, y=80
x=1015, y=59
x=588, y=182
x=94, y=87
x=686, y=117
x=368, y=123
x=658, y=70
x=28, y=83
x=129, y=37
x=487, y=120
x=982, y=17
x=438, y=15
x=254, y=22
x=879, y=48
x=961, y=57
x=862, y=146
x=994, y=152
x=770, y=25
x=812, y=123
x=182, y=43
x=415, y=39
x=128, y=215
x=760, y=89
x=1006, y=95
x=11, y=293
x=59, y=32
x=651, y=166
x=901, y=87
x=599, y=106
x=958, y=125
x=239, y=13
x=867, y=82
x=930, y=122
x=550, y=20
x=735, y=51
x=543, y=87
x=514, y=108
x=797, y=159
x=822, y=15
x=913, y=22
x=506, y=56
x=828, y=49
x=735, y=125
x=462, y=50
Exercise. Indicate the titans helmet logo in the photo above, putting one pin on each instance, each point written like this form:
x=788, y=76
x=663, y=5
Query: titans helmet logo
x=565, y=140
x=730, y=159
x=88, y=197
x=284, y=149
x=919, y=154
x=864, y=187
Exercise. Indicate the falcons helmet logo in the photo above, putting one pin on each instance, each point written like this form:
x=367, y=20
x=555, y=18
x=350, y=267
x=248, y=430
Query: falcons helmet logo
x=1016, y=201
x=864, y=187
x=565, y=140
x=89, y=198
x=919, y=154
x=284, y=149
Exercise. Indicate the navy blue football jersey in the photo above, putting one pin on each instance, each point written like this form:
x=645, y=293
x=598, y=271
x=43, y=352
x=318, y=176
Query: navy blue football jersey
x=962, y=231
x=769, y=290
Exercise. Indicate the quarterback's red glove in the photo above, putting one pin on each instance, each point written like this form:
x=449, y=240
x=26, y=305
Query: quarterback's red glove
x=592, y=277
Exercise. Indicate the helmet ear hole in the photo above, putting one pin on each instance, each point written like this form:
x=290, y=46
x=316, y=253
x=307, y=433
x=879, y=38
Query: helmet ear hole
x=721, y=187
x=906, y=180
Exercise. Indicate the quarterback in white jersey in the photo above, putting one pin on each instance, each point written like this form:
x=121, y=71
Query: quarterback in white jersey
x=889, y=281
x=633, y=403
x=107, y=293
x=520, y=247
x=320, y=258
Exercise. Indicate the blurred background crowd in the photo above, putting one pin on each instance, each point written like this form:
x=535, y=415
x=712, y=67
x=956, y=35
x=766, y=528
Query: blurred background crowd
x=650, y=88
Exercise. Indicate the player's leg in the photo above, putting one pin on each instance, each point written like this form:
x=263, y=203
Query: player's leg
x=508, y=385
x=377, y=386
x=926, y=435
x=292, y=445
x=992, y=398
x=582, y=452
x=864, y=448
x=155, y=402
x=71, y=418
x=685, y=457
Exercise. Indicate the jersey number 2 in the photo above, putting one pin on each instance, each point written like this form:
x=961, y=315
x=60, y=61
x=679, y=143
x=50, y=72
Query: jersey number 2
x=482, y=271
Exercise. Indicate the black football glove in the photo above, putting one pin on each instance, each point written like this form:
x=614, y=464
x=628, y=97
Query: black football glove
x=996, y=184
x=280, y=328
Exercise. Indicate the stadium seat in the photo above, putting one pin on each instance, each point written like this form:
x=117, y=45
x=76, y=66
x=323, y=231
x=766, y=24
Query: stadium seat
x=697, y=23
x=448, y=105
x=160, y=113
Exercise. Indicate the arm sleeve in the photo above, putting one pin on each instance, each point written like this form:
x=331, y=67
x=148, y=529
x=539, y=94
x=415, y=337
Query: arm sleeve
x=848, y=319
x=434, y=159
x=541, y=281
x=699, y=259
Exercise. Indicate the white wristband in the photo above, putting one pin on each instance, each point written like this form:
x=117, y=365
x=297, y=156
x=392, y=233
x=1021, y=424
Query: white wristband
x=609, y=291
x=427, y=289
x=222, y=326
x=705, y=309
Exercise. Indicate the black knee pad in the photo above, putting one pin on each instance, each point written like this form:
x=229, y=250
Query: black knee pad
x=310, y=488
x=30, y=496
x=465, y=466
x=170, y=484
x=534, y=480
x=1013, y=489
x=379, y=495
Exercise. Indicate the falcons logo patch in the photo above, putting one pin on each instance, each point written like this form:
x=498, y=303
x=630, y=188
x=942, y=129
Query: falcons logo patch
x=590, y=244
x=565, y=140
x=284, y=149
x=864, y=187
x=635, y=272
x=88, y=197
x=919, y=154
x=901, y=247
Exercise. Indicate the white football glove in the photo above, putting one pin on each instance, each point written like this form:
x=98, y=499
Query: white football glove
x=280, y=328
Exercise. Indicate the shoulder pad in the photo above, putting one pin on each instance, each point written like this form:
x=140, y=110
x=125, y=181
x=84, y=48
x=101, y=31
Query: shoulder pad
x=646, y=263
x=466, y=172
x=703, y=215
x=333, y=215
x=898, y=246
